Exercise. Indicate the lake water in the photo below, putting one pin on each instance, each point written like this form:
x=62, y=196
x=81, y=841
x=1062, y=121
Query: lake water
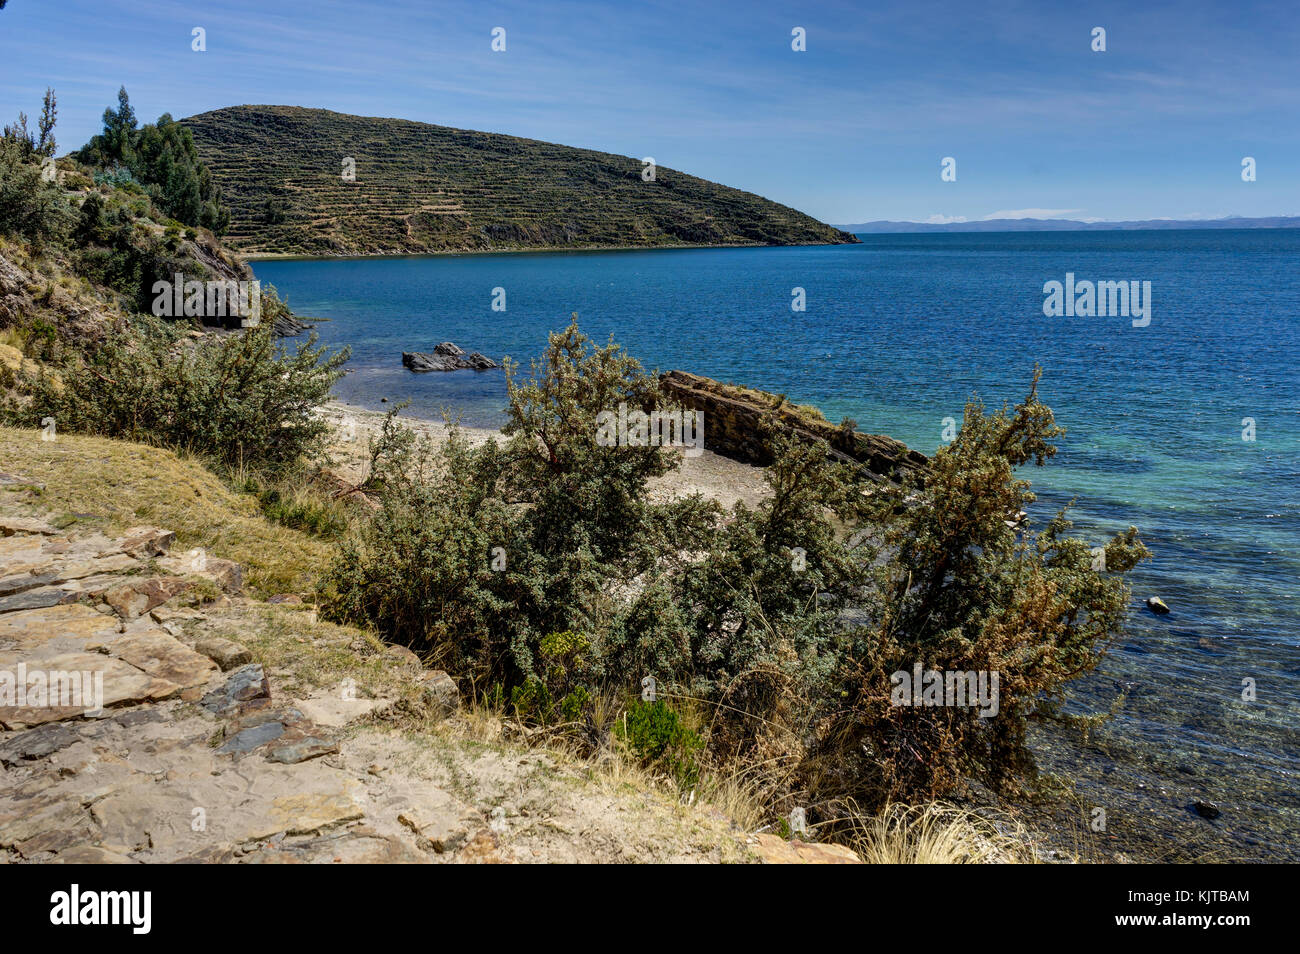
x=898, y=332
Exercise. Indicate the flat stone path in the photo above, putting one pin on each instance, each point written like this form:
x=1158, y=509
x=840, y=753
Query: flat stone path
x=120, y=741
x=133, y=730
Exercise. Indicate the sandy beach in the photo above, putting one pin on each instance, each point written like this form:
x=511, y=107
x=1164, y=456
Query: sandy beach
x=720, y=478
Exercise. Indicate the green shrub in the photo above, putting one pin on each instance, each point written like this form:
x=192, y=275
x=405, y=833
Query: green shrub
x=477, y=555
x=654, y=734
x=116, y=176
x=966, y=589
x=30, y=208
x=557, y=693
x=241, y=399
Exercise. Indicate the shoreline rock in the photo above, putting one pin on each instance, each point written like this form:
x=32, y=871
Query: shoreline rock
x=447, y=357
x=741, y=423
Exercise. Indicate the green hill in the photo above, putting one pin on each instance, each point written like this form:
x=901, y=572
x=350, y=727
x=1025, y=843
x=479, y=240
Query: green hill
x=422, y=188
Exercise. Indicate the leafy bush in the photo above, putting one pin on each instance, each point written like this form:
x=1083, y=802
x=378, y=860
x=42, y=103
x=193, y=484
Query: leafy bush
x=967, y=585
x=116, y=175
x=30, y=208
x=419, y=570
x=654, y=733
x=241, y=399
x=785, y=621
x=563, y=520
x=557, y=693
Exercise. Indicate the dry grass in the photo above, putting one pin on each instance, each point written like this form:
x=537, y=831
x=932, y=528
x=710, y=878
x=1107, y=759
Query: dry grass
x=612, y=768
x=736, y=796
x=937, y=834
x=110, y=485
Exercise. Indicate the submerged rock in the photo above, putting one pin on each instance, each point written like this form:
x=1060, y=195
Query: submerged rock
x=1207, y=810
x=1156, y=605
x=447, y=357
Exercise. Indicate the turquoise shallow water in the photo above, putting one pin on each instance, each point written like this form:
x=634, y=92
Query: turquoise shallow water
x=898, y=332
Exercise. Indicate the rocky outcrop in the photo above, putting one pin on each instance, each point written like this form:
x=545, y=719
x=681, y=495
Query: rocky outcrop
x=179, y=751
x=35, y=288
x=777, y=851
x=447, y=357
x=288, y=325
x=742, y=423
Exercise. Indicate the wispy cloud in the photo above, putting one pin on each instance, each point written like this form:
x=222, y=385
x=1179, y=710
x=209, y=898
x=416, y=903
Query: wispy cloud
x=1033, y=214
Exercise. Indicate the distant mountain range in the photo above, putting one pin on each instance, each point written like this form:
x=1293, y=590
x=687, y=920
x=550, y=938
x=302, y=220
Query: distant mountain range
x=314, y=182
x=1071, y=225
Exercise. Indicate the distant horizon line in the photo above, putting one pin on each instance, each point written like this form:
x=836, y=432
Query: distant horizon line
x=1027, y=224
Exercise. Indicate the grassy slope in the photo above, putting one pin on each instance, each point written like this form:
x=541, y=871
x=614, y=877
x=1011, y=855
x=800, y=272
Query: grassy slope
x=111, y=485
x=423, y=188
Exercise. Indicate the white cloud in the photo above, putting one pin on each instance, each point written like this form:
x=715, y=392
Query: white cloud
x=1032, y=214
x=944, y=219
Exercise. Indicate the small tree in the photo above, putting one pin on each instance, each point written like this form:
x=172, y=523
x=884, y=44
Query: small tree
x=17, y=134
x=46, y=145
x=30, y=208
x=967, y=585
x=119, y=129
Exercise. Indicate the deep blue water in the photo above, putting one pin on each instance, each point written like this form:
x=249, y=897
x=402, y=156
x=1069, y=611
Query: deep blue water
x=898, y=333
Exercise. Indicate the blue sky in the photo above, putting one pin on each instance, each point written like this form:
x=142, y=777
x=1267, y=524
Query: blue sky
x=852, y=129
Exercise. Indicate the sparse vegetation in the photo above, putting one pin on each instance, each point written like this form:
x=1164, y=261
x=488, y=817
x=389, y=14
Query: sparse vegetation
x=100, y=483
